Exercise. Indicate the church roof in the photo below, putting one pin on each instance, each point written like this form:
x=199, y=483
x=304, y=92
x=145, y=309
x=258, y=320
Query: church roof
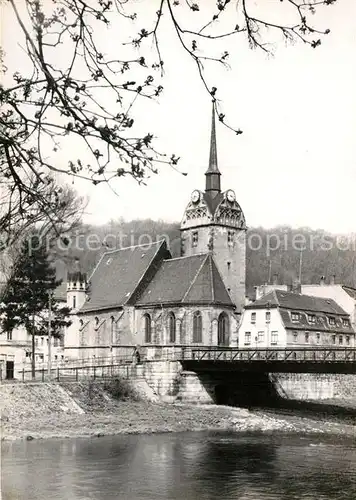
x=119, y=273
x=186, y=280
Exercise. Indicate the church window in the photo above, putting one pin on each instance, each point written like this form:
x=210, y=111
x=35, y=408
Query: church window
x=172, y=328
x=223, y=329
x=197, y=328
x=195, y=239
x=148, y=328
x=230, y=237
x=74, y=302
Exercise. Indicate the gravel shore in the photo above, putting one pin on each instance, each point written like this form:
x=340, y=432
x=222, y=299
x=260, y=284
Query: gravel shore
x=148, y=418
x=38, y=411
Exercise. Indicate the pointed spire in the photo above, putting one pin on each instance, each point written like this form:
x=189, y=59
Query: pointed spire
x=213, y=174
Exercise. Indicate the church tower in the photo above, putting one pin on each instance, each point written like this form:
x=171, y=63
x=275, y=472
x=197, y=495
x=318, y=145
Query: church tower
x=214, y=222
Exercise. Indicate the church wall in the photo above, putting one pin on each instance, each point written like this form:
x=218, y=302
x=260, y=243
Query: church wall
x=184, y=324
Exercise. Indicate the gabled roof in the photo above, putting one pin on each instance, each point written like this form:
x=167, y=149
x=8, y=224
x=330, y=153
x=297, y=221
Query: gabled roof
x=186, y=280
x=299, y=302
x=119, y=273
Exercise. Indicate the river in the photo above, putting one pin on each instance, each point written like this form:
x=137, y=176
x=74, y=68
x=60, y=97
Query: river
x=189, y=466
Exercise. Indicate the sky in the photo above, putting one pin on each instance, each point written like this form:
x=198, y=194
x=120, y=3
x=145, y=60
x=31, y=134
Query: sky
x=295, y=162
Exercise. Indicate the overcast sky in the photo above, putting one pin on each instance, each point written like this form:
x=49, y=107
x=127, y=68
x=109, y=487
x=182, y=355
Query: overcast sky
x=295, y=162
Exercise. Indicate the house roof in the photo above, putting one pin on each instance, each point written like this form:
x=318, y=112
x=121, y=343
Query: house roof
x=299, y=302
x=119, y=273
x=350, y=291
x=186, y=280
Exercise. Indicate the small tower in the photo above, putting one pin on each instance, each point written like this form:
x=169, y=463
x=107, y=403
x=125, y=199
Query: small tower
x=214, y=222
x=76, y=290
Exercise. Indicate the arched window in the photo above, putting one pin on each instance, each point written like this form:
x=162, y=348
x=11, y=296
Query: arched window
x=197, y=328
x=223, y=329
x=172, y=327
x=96, y=319
x=148, y=328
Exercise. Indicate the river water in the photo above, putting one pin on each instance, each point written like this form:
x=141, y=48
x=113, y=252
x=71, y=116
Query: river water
x=189, y=466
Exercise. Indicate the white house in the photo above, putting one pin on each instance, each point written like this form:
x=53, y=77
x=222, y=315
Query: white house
x=283, y=318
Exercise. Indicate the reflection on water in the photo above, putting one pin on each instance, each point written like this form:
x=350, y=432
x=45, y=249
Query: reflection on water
x=190, y=466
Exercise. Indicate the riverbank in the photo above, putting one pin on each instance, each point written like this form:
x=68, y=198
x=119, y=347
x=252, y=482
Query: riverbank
x=39, y=411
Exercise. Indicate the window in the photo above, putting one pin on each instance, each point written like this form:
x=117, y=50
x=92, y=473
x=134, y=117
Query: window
x=28, y=354
x=172, y=327
x=295, y=336
x=268, y=316
x=147, y=328
x=81, y=323
x=96, y=319
x=294, y=316
x=9, y=335
x=253, y=317
x=42, y=340
x=247, y=338
x=347, y=339
x=230, y=238
x=306, y=337
x=318, y=338
x=36, y=341
x=41, y=356
x=333, y=339
x=341, y=339
x=261, y=336
x=74, y=302
x=345, y=322
x=197, y=328
x=195, y=239
x=274, y=338
x=55, y=341
x=223, y=329
x=332, y=321
x=55, y=357
x=312, y=319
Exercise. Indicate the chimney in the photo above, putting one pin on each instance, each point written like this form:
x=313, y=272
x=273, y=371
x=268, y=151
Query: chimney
x=296, y=286
x=275, y=279
x=332, y=279
x=322, y=280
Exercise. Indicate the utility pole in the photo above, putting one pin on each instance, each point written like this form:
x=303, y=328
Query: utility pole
x=300, y=265
x=33, y=362
x=49, y=333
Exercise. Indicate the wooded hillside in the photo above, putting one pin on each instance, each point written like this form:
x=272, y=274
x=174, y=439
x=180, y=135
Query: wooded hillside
x=269, y=251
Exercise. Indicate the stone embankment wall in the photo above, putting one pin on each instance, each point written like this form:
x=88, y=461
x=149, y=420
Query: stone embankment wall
x=315, y=386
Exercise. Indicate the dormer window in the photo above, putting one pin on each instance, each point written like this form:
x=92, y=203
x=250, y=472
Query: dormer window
x=253, y=317
x=332, y=321
x=295, y=316
x=312, y=319
x=346, y=322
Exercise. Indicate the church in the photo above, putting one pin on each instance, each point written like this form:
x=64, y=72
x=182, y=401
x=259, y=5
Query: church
x=142, y=296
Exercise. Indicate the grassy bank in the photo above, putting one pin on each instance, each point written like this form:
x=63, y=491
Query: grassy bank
x=82, y=409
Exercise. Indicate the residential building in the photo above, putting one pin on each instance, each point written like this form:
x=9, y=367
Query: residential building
x=284, y=318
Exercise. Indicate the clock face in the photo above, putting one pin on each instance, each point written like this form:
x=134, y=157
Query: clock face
x=230, y=195
x=195, y=196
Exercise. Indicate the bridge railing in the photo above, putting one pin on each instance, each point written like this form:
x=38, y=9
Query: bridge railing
x=318, y=354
